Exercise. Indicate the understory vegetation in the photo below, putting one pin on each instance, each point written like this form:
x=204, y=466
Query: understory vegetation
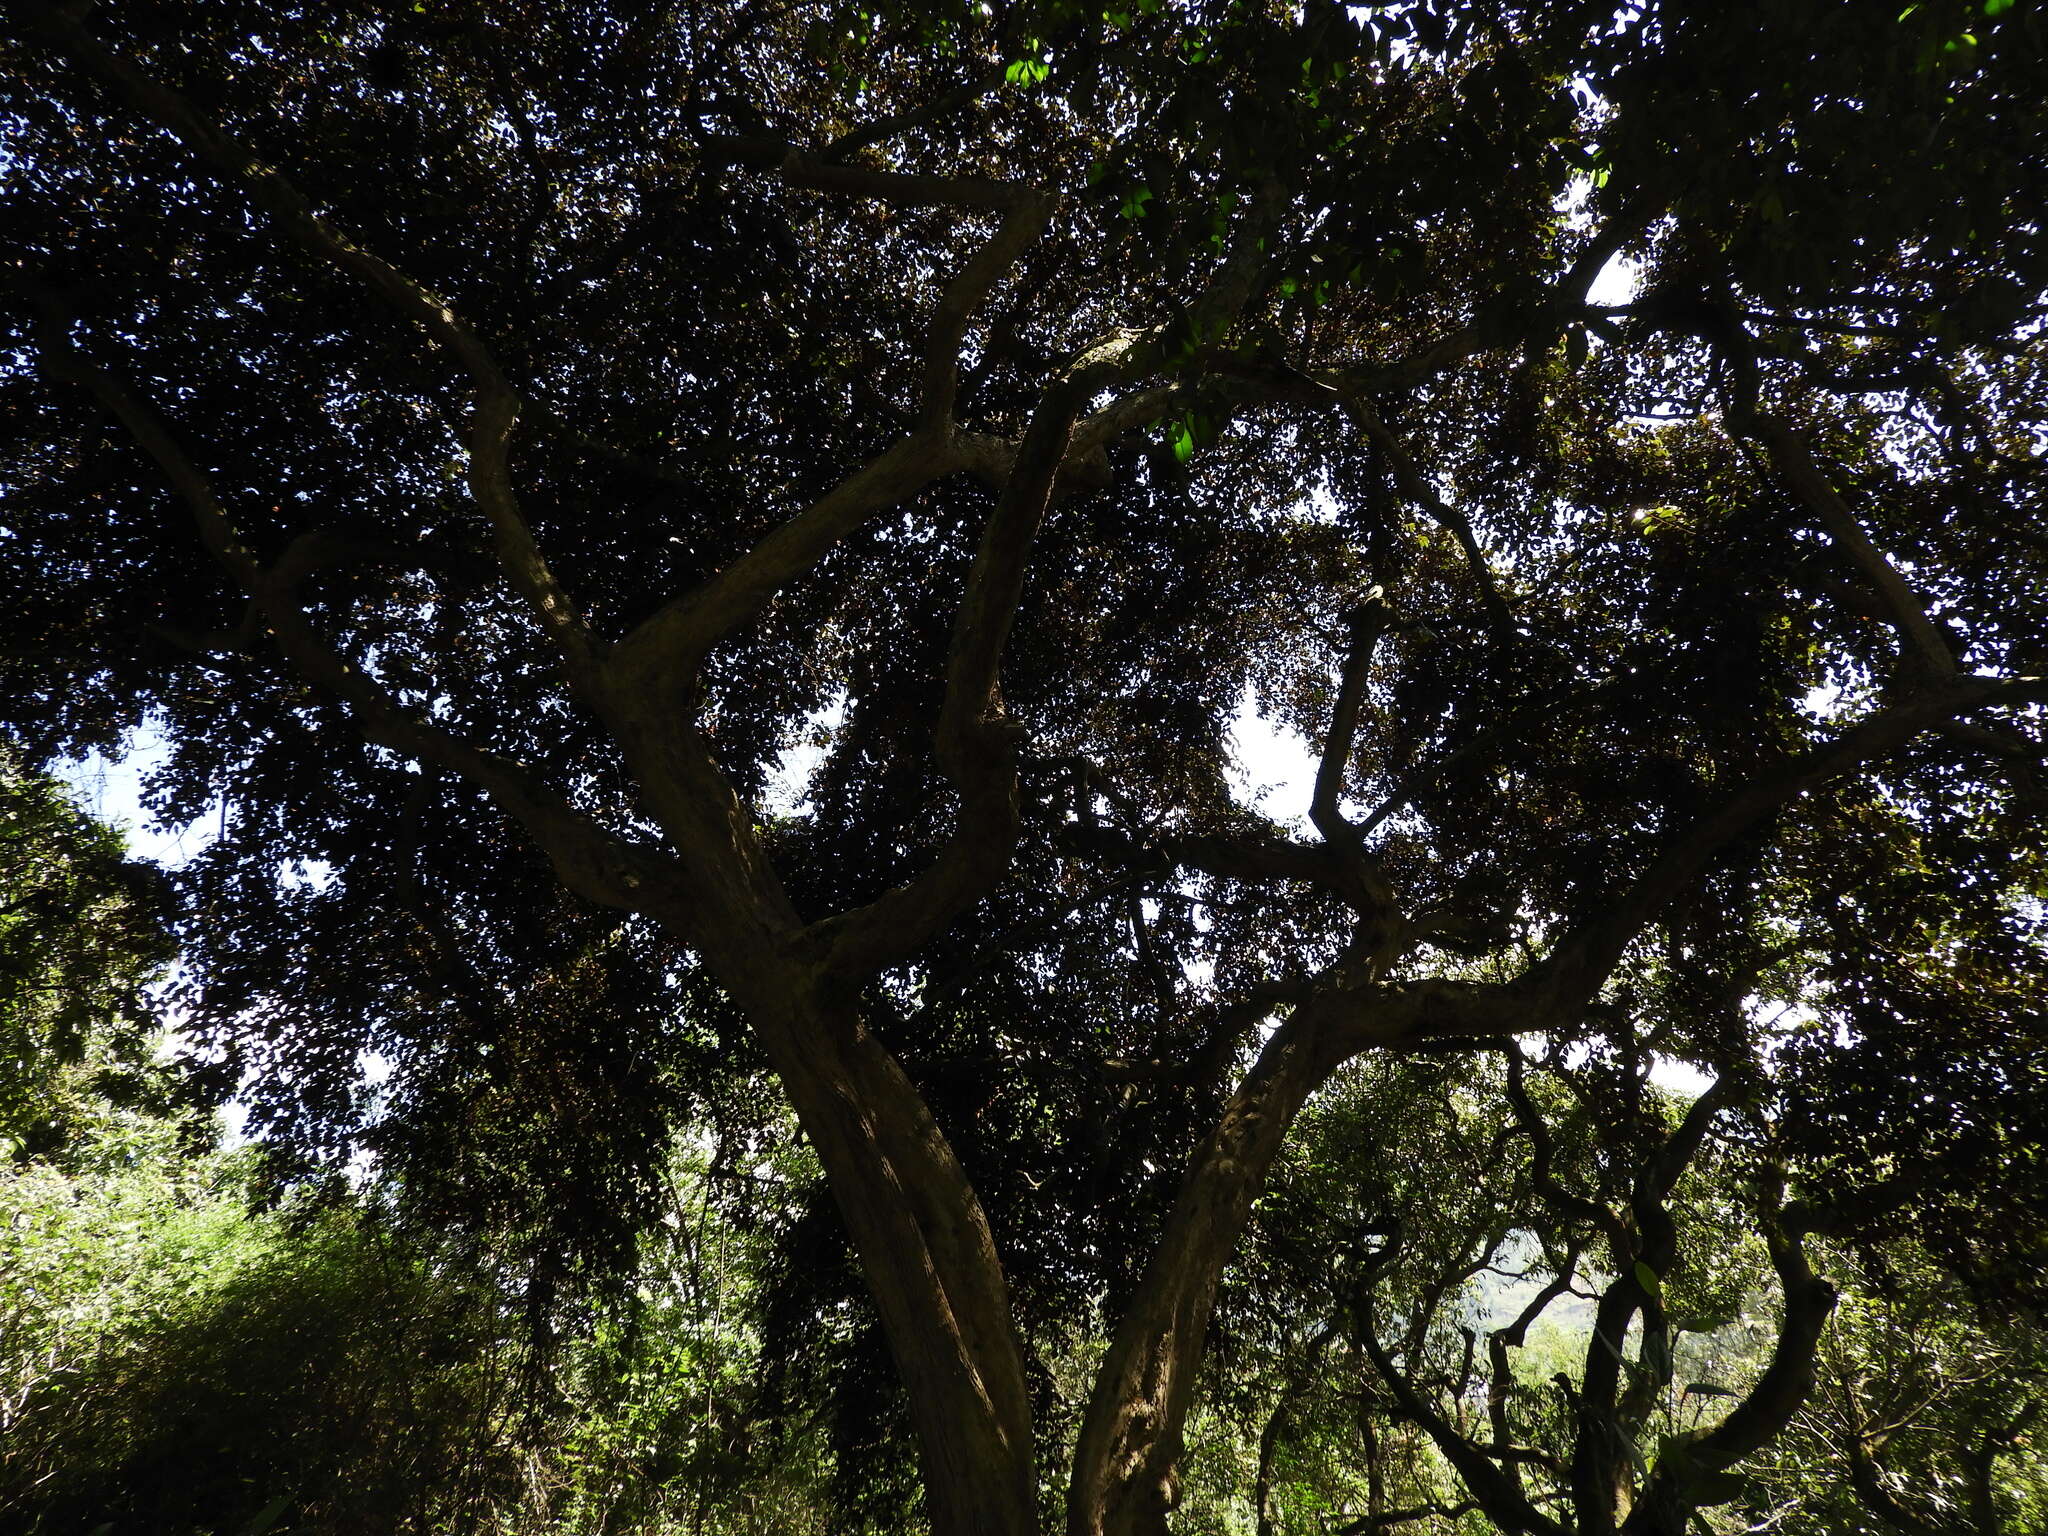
x=190, y=1345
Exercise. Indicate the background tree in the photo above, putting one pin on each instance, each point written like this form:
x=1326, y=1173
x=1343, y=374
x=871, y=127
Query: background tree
x=84, y=932
x=480, y=442
x=1924, y=1413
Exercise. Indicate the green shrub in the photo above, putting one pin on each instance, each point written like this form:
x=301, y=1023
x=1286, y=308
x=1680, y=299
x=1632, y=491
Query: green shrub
x=177, y=1366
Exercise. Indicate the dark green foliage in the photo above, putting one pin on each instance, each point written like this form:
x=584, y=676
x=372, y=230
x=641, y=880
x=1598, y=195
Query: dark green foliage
x=331, y=1379
x=1601, y=765
x=84, y=932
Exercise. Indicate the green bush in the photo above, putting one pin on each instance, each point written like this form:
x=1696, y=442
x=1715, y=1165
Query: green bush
x=177, y=1366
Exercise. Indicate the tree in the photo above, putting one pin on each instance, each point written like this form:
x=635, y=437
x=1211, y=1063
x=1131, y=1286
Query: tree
x=1629, y=1201
x=177, y=1365
x=84, y=932
x=482, y=440
x=1921, y=1418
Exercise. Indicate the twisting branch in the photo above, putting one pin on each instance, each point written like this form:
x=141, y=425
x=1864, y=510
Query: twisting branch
x=675, y=639
x=1416, y=487
x=497, y=404
x=1499, y=1493
x=1582, y=961
x=1370, y=1525
x=589, y=859
x=977, y=744
x=1259, y=856
x=916, y=117
x=1130, y=1437
x=1867, y=1480
x=1131, y=1434
x=1808, y=1301
x=1631, y=221
x=1367, y=624
x=1923, y=639
x=1542, y=1177
x=1500, y=1372
x=1661, y=1173
x=1236, y=279
x=990, y=459
x=1693, y=1460
x=1925, y=649
x=1026, y=210
x=1022, y=224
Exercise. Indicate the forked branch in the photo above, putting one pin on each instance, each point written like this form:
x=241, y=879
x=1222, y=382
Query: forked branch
x=1367, y=624
x=589, y=859
x=1498, y=1491
x=1416, y=487
x=1924, y=641
x=1584, y=959
x=1926, y=652
x=977, y=744
x=676, y=638
x=672, y=642
x=497, y=405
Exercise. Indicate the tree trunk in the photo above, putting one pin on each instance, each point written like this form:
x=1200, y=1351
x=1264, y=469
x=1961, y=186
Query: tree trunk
x=923, y=1242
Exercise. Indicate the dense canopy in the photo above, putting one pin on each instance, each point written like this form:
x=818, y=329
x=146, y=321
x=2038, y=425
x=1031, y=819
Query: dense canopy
x=710, y=559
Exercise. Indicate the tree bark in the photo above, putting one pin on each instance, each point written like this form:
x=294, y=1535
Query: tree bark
x=926, y=1251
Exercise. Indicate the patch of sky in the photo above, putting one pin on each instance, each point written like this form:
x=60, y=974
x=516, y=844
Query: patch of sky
x=111, y=790
x=788, y=791
x=1617, y=283
x=1273, y=768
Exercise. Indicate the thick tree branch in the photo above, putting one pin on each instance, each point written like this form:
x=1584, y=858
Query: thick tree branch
x=674, y=641
x=1236, y=280
x=496, y=407
x=923, y=1240
x=1757, y=1419
x=1370, y=1525
x=1661, y=1173
x=977, y=744
x=1026, y=210
x=1022, y=224
x=916, y=117
x=1926, y=655
x=1644, y=1248
x=1498, y=1493
x=1325, y=808
x=589, y=859
x=671, y=643
x=1867, y=1482
x=1130, y=1437
x=1584, y=959
x=1925, y=645
x=1416, y=487
x=1255, y=856
x=1542, y=1177
x=1692, y=1461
